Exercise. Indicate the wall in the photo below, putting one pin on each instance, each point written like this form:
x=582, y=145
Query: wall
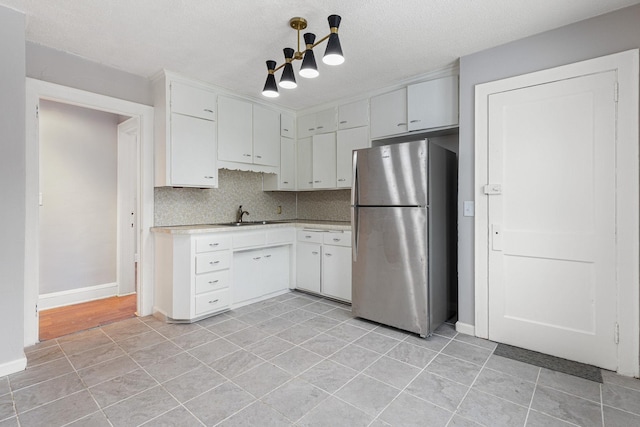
x=333, y=205
x=184, y=206
x=78, y=181
x=12, y=193
x=54, y=66
x=602, y=35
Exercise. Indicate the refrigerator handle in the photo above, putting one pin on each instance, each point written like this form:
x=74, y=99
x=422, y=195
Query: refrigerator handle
x=354, y=232
x=354, y=206
x=354, y=179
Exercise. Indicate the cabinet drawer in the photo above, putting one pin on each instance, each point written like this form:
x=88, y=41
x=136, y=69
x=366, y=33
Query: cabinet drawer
x=287, y=235
x=212, y=261
x=246, y=240
x=337, y=239
x=211, y=281
x=310, y=236
x=212, y=301
x=212, y=243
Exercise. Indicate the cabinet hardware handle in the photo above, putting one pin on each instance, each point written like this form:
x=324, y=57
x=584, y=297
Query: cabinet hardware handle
x=286, y=130
x=259, y=157
x=247, y=155
x=307, y=237
x=257, y=258
x=401, y=124
x=211, y=282
x=208, y=111
x=317, y=181
x=208, y=177
x=285, y=182
x=341, y=179
x=343, y=122
x=335, y=239
x=310, y=129
x=214, y=301
x=267, y=256
x=415, y=121
x=314, y=253
x=310, y=182
x=327, y=254
x=214, y=262
x=320, y=127
x=214, y=244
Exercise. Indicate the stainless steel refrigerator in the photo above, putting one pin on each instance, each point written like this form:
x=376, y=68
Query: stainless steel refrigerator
x=403, y=227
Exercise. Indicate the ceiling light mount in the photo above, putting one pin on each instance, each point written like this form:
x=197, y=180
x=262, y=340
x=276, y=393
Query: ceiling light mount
x=309, y=69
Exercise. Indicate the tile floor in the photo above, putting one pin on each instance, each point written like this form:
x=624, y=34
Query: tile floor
x=296, y=360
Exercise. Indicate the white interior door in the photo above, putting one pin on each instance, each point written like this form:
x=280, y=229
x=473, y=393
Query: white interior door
x=128, y=142
x=552, y=218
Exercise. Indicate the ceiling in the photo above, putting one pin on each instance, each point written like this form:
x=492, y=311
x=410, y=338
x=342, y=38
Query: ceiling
x=226, y=42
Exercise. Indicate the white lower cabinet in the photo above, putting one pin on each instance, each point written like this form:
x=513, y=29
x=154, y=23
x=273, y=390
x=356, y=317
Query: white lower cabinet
x=323, y=263
x=259, y=272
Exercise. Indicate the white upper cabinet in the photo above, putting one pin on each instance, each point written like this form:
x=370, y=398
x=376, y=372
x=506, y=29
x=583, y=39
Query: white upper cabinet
x=266, y=136
x=353, y=115
x=287, y=125
x=324, y=160
x=315, y=123
x=235, y=135
x=346, y=141
x=433, y=104
x=305, y=164
x=191, y=101
x=286, y=178
x=185, y=133
x=389, y=113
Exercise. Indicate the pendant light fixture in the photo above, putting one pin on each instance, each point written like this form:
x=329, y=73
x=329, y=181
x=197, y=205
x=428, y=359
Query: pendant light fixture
x=309, y=68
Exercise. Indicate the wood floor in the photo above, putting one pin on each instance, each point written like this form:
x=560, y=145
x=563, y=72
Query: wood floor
x=60, y=321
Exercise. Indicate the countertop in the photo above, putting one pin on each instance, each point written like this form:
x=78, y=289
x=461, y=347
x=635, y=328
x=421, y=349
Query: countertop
x=213, y=228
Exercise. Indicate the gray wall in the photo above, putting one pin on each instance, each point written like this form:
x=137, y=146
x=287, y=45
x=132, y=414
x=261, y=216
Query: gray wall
x=54, y=66
x=602, y=35
x=12, y=192
x=78, y=181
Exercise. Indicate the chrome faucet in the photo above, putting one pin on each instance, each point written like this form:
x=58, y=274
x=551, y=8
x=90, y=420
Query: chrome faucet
x=240, y=214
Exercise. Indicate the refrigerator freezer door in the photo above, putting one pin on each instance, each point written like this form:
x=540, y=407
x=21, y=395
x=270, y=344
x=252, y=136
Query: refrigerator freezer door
x=391, y=175
x=390, y=277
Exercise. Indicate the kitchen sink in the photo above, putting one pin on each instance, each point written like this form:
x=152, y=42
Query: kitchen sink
x=245, y=223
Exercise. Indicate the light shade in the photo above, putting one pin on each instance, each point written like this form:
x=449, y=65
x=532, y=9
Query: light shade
x=288, y=78
x=333, y=54
x=270, y=87
x=309, y=69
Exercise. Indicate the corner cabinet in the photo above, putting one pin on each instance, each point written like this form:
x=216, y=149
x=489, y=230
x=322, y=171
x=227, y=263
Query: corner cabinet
x=316, y=162
x=286, y=179
x=185, y=133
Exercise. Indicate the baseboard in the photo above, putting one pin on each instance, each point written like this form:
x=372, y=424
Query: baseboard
x=465, y=328
x=13, y=366
x=76, y=296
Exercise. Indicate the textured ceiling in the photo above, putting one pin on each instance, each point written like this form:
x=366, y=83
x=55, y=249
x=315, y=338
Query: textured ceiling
x=225, y=42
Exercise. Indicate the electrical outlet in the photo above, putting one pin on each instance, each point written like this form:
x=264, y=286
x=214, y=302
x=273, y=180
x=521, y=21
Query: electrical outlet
x=279, y=210
x=468, y=208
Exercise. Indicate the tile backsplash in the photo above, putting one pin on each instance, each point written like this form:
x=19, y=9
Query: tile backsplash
x=188, y=206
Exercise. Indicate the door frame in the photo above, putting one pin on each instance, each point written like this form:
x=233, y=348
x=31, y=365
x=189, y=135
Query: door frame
x=627, y=194
x=35, y=91
x=130, y=171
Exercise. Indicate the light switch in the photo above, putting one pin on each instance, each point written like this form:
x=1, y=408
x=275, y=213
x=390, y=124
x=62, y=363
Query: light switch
x=468, y=208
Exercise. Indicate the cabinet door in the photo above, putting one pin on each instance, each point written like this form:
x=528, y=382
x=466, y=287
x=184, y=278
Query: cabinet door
x=347, y=141
x=235, y=135
x=326, y=121
x=306, y=125
x=336, y=272
x=353, y=115
x=266, y=136
x=247, y=267
x=193, y=152
x=305, y=164
x=308, y=266
x=275, y=271
x=324, y=160
x=287, y=125
x=192, y=101
x=389, y=113
x=433, y=104
x=287, y=164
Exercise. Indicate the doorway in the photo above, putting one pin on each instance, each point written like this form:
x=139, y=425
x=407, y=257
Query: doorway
x=87, y=236
x=38, y=91
x=557, y=212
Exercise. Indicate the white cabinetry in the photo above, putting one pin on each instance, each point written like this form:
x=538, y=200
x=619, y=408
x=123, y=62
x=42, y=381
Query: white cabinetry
x=287, y=125
x=192, y=275
x=346, y=141
x=248, y=134
x=286, y=179
x=433, y=104
x=323, y=263
x=324, y=160
x=304, y=161
x=355, y=114
x=185, y=133
x=389, y=113
x=315, y=123
x=259, y=272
